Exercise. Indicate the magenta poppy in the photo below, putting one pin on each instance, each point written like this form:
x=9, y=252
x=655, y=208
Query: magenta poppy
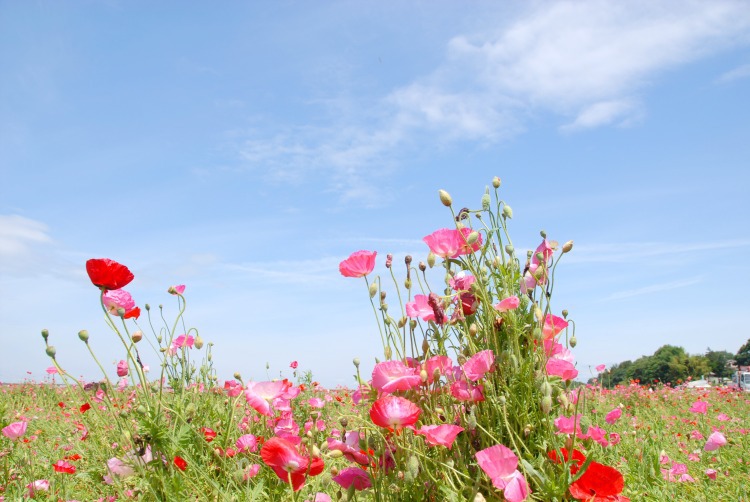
x=393, y=412
x=108, y=274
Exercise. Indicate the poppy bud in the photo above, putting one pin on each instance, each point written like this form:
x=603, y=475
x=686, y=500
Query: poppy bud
x=147, y=307
x=402, y=322
x=198, y=344
x=445, y=198
x=387, y=353
x=546, y=388
x=546, y=405
x=423, y=376
x=51, y=351
x=473, y=329
x=355, y=361
x=45, y=334
x=472, y=238
x=137, y=336
x=422, y=266
x=388, y=260
x=335, y=454
x=431, y=259
x=496, y=182
x=412, y=324
x=425, y=345
x=567, y=247
x=413, y=466
x=538, y=313
x=543, y=234
x=373, y=290
x=121, y=311
x=407, y=283
x=565, y=314
x=537, y=333
x=509, y=249
x=84, y=335
x=407, y=260
x=382, y=296
x=573, y=341
x=507, y=212
x=486, y=201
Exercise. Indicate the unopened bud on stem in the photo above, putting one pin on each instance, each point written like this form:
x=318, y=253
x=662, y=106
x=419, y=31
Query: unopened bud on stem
x=567, y=247
x=507, y=212
x=445, y=198
x=496, y=182
x=84, y=335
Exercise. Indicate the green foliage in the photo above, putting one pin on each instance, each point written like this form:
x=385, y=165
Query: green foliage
x=668, y=365
x=719, y=362
x=743, y=355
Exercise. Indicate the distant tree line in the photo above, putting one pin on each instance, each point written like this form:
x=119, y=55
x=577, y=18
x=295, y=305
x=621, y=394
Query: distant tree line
x=672, y=365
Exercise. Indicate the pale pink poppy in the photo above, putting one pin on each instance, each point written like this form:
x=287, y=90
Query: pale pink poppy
x=250, y=471
x=359, y=264
x=320, y=497
x=600, y=368
x=52, y=370
x=613, y=416
x=176, y=290
x=440, y=364
x=722, y=417
x=353, y=476
x=118, y=299
x=15, y=430
x=553, y=325
x=440, y=435
x=597, y=434
x=390, y=376
x=478, y=365
x=119, y=468
x=715, y=441
x=419, y=307
x=510, y=303
x=699, y=407
x=464, y=391
x=246, y=442
x=529, y=281
x=501, y=465
x=40, y=485
x=394, y=412
x=122, y=366
x=259, y=395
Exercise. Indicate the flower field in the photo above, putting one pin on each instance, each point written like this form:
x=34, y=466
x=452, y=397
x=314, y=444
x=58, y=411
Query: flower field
x=474, y=398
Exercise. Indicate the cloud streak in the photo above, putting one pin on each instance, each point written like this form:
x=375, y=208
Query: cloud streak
x=654, y=288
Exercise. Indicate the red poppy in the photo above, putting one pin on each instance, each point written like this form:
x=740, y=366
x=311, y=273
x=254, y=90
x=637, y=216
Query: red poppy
x=180, y=463
x=599, y=483
x=108, y=274
x=135, y=312
x=288, y=463
x=209, y=434
x=85, y=407
x=63, y=466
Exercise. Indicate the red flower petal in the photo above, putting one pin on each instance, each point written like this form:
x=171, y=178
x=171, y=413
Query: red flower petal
x=85, y=407
x=135, y=312
x=180, y=463
x=108, y=274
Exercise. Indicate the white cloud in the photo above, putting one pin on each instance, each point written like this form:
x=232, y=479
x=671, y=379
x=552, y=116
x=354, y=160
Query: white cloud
x=635, y=252
x=18, y=235
x=653, y=288
x=734, y=74
x=585, y=62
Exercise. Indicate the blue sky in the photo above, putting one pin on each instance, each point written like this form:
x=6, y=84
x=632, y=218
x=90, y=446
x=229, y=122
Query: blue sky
x=245, y=149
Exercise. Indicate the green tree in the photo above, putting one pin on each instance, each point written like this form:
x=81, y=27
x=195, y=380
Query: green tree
x=743, y=355
x=718, y=360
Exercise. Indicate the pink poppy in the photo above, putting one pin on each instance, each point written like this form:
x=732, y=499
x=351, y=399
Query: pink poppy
x=176, y=290
x=119, y=468
x=442, y=435
x=390, y=376
x=600, y=368
x=40, y=485
x=233, y=388
x=451, y=243
x=510, y=303
x=359, y=264
x=531, y=278
x=353, y=476
x=349, y=447
x=464, y=391
x=420, y=308
x=597, y=434
x=462, y=281
x=501, y=465
x=613, y=416
x=699, y=407
x=15, y=430
x=64, y=467
x=568, y=425
x=320, y=497
x=259, y=395
x=553, y=325
x=478, y=365
x=52, y=370
x=180, y=342
x=546, y=249
x=711, y=473
x=246, y=442
x=393, y=412
x=122, y=368
x=560, y=362
x=288, y=464
x=715, y=440
x=441, y=364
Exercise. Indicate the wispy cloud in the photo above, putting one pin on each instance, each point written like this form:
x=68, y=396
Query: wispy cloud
x=654, y=288
x=734, y=74
x=585, y=62
x=632, y=252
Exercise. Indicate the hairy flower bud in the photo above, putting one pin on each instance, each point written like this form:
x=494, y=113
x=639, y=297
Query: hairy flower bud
x=507, y=212
x=51, y=351
x=407, y=283
x=147, y=307
x=546, y=388
x=472, y=238
x=538, y=313
x=567, y=247
x=423, y=375
x=137, y=336
x=543, y=234
x=573, y=341
x=45, y=334
x=496, y=182
x=388, y=260
x=486, y=200
x=198, y=343
x=387, y=353
x=546, y=405
x=412, y=324
x=425, y=345
x=565, y=313
x=431, y=259
x=445, y=198
x=237, y=376
x=422, y=266
x=373, y=289
x=509, y=249
x=473, y=329
x=84, y=335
